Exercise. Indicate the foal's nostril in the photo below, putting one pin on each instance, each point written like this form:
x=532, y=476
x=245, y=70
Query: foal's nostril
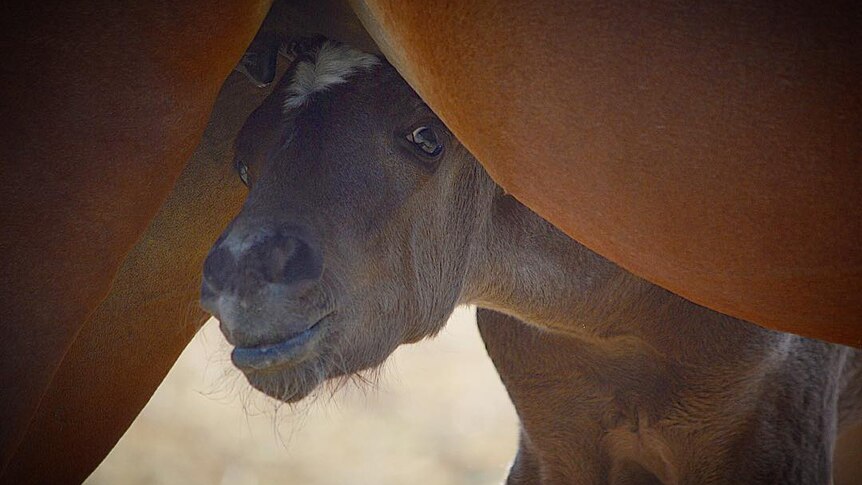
x=218, y=267
x=289, y=260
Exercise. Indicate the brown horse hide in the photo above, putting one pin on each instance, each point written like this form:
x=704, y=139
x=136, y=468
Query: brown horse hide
x=134, y=336
x=103, y=104
x=713, y=149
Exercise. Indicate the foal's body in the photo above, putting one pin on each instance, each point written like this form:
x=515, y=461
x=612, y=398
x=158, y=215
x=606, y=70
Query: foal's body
x=638, y=384
x=367, y=224
x=593, y=414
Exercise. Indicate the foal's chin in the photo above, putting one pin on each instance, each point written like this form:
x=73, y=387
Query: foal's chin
x=295, y=383
x=288, y=385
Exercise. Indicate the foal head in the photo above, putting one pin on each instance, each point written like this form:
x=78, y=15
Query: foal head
x=359, y=231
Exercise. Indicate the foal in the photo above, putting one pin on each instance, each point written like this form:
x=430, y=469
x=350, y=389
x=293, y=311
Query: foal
x=367, y=223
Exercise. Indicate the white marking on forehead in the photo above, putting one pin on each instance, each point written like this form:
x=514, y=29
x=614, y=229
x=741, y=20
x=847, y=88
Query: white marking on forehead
x=332, y=64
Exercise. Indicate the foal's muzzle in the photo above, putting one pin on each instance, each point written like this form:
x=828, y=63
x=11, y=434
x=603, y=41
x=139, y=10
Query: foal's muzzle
x=253, y=282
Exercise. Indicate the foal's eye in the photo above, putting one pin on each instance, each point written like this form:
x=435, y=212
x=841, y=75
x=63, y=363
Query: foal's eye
x=425, y=140
x=243, y=172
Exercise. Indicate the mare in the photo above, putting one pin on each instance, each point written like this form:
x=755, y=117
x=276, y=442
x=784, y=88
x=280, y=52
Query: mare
x=367, y=223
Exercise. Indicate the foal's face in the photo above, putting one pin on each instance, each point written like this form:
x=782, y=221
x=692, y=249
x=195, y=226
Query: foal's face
x=357, y=232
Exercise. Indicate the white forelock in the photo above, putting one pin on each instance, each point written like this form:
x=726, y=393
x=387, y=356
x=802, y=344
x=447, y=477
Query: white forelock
x=332, y=64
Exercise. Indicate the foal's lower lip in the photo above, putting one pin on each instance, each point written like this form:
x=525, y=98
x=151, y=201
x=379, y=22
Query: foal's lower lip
x=283, y=353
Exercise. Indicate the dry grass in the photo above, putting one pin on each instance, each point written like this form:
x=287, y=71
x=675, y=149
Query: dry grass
x=438, y=415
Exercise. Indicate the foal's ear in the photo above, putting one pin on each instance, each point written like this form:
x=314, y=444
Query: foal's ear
x=270, y=126
x=260, y=61
x=303, y=48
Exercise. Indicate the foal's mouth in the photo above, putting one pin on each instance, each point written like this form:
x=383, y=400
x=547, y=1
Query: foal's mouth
x=287, y=353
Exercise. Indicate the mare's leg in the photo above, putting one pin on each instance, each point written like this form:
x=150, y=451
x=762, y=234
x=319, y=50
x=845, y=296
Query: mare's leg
x=129, y=343
x=103, y=106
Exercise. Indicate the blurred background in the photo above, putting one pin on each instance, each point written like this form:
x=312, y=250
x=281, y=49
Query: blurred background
x=436, y=414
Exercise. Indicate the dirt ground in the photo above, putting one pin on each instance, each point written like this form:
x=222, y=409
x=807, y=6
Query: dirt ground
x=438, y=415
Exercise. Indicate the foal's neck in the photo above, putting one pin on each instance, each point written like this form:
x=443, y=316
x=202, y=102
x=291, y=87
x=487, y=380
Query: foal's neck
x=529, y=269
